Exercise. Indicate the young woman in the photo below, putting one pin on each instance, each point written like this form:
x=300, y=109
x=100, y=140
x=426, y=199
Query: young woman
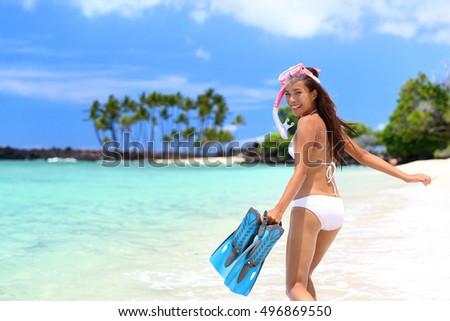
x=317, y=209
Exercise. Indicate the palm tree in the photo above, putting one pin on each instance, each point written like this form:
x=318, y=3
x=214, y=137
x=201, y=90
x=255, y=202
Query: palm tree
x=127, y=119
x=94, y=115
x=111, y=115
x=172, y=112
x=220, y=113
x=141, y=116
x=239, y=120
x=181, y=119
x=174, y=102
x=187, y=104
x=164, y=114
x=153, y=100
x=206, y=104
x=128, y=109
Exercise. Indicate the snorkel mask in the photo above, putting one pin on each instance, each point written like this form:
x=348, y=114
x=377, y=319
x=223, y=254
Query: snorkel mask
x=286, y=75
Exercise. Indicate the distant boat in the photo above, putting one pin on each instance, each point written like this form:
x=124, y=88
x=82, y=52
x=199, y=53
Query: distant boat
x=61, y=160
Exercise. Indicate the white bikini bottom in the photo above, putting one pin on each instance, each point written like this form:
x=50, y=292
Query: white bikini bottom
x=328, y=209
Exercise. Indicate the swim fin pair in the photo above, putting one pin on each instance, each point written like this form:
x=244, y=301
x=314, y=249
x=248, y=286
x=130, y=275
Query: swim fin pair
x=240, y=257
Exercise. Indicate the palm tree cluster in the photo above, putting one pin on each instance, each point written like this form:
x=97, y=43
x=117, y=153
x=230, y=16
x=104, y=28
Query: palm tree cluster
x=171, y=115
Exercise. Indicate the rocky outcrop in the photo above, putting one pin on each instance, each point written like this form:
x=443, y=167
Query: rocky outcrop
x=15, y=153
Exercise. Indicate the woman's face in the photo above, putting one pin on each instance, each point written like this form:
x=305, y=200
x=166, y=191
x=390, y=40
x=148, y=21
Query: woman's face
x=299, y=98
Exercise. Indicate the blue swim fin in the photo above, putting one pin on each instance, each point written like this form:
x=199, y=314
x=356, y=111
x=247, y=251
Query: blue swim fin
x=226, y=255
x=245, y=271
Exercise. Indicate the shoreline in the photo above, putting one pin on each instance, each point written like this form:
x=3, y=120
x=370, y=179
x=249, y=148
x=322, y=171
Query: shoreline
x=249, y=156
x=10, y=153
x=68, y=154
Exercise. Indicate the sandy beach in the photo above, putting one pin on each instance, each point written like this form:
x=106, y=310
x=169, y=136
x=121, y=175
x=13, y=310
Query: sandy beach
x=404, y=242
x=393, y=246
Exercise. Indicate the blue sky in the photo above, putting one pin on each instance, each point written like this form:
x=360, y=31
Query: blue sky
x=56, y=57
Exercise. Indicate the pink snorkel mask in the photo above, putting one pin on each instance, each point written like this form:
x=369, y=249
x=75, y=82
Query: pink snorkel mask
x=289, y=74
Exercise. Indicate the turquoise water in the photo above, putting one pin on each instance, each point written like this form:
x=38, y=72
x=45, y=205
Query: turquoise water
x=80, y=231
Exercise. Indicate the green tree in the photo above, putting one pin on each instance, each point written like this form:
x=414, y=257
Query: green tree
x=110, y=116
x=420, y=125
x=274, y=145
x=153, y=100
x=142, y=116
x=212, y=107
x=206, y=103
x=181, y=119
x=218, y=135
x=127, y=114
x=173, y=112
x=239, y=120
x=95, y=113
x=364, y=136
x=174, y=102
x=358, y=129
x=186, y=106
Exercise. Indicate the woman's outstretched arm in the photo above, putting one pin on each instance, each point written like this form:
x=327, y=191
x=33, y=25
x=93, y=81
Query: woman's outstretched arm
x=365, y=158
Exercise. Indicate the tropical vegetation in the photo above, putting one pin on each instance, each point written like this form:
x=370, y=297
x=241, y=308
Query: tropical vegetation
x=420, y=125
x=163, y=117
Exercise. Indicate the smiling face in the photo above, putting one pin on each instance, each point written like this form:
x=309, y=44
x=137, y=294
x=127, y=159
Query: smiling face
x=300, y=98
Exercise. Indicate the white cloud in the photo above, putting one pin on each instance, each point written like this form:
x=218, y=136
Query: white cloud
x=440, y=36
x=127, y=8
x=295, y=18
x=86, y=86
x=29, y=4
x=405, y=30
x=202, y=54
x=245, y=98
x=231, y=128
x=199, y=16
x=346, y=19
x=427, y=21
x=380, y=126
x=83, y=86
x=434, y=13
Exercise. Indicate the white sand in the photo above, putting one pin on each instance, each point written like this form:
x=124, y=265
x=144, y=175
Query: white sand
x=211, y=161
x=398, y=247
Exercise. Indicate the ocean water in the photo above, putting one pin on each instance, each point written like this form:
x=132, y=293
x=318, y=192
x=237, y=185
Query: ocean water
x=82, y=231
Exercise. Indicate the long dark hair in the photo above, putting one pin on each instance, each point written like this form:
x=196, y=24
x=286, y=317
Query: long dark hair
x=327, y=111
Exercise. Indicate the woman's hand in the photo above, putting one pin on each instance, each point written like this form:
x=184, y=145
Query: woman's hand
x=274, y=216
x=418, y=178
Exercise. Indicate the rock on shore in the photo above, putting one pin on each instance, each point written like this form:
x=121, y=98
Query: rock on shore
x=15, y=153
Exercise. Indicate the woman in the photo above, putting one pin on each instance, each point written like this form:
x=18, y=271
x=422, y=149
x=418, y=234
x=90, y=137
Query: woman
x=317, y=209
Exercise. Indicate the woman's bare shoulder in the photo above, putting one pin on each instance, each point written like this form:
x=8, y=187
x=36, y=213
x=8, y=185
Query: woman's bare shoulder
x=313, y=122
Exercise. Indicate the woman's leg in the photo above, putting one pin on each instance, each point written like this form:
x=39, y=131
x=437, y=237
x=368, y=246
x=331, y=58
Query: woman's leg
x=301, y=248
x=324, y=240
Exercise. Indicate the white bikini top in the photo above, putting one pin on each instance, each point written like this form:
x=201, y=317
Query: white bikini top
x=331, y=170
x=291, y=148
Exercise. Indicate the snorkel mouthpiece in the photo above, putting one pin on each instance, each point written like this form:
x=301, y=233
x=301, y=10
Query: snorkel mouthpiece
x=282, y=127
